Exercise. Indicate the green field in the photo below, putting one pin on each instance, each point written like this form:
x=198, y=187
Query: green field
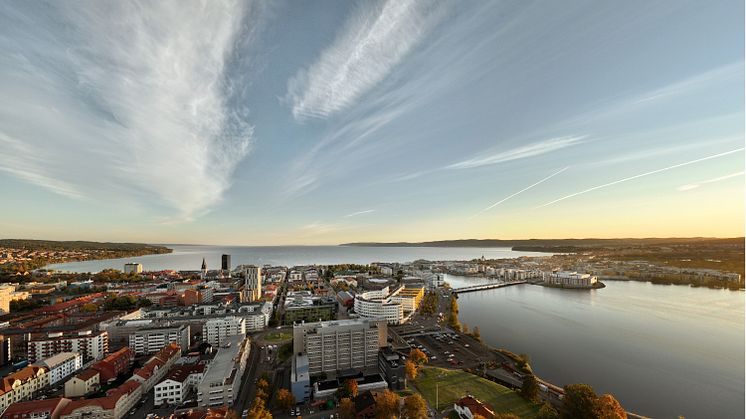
x=452, y=385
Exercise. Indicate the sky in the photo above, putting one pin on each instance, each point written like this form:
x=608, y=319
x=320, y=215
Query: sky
x=281, y=122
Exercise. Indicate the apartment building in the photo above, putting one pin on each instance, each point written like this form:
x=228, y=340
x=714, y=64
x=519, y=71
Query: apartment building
x=22, y=385
x=8, y=293
x=179, y=382
x=114, y=364
x=150, y=339
x=253, y=284
x=91, y=345
x=394, y=306
x=216, y=331
x=115, y=405
x=61, y=366
x=157, y=366
x=36, y=409
x=222, y=379
x=85, y=382
x=340, y=345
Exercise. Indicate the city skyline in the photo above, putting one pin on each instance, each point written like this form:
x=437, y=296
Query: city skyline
x=271, y=123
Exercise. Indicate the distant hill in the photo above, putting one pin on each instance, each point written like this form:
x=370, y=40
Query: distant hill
x=79, y=245
x=560, y=245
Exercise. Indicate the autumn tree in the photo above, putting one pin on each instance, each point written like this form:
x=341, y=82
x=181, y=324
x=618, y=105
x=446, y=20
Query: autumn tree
x=547, y=412
x=465, y=328
x=387, y=405
x=258, y=409
x=607, y=407
x=348, y=389
x=475, y=334
x=579, y=402
x=285, y=399
x=347, y=408
x=530, y=388
x=418, y=357
x=411, y=370
x=415, y=407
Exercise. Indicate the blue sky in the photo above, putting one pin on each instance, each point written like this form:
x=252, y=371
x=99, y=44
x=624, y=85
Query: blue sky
x=325, y=122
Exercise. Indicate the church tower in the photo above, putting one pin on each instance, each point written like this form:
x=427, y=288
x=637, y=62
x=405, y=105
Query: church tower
x=204, y=268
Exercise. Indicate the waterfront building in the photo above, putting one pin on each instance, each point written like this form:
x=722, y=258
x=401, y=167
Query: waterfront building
x=133, y=268
x=91, y=345
x=394, y=306
x=570, y=279
x=61, y=365
x=224, y=374
x=216, y=331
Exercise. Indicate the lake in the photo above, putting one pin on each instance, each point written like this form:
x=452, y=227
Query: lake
x=189, y=257
x=661, y=350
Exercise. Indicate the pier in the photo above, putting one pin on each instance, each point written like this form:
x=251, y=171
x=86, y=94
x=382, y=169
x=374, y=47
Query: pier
x=489, y=286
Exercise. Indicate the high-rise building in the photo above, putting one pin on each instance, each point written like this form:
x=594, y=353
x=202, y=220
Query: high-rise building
x=253, y=286
x=133, y=268
x=340, y=345
x=216, y=331
x=226, y=263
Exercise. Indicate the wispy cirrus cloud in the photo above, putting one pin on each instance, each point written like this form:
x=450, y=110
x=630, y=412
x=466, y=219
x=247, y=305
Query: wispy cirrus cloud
x=652, y=172
x=355, y=214
x=522, y=152
x=124, y=102
x=696, y=185
x=369, y=46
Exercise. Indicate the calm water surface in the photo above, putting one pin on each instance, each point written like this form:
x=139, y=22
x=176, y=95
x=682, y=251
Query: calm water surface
x=663, y=351
x=189, y=257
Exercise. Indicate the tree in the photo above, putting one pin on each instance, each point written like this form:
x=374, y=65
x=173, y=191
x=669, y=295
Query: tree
x=89, y=308
x=417, y=356
x=547, y=412
x=411, y=370
x=348, y=389
x=607, y=407
x=261, y=394
x=347, y=408
x=530, y=388
x=263, y=384
x=579, y=402
x=387, y=405
x=415, y=407
x=475, y=334
x=465, y=328
x=285, y=399
x=259, y=410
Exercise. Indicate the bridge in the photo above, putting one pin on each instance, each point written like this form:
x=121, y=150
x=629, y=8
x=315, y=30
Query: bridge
x=489, y=286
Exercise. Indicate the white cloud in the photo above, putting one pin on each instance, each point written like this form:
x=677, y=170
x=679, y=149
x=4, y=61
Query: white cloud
x=355, y=214
x=696, y=185
x=530, y=150
x=373, y=41
x=121, y=101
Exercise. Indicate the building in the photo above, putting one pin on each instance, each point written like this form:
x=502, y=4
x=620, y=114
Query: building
x=36, y=409
x=300, y=379
x=253, y=285
x=91, y=345
x=86, y=382
x=22, y=385
x=225, y=262
x=570, y=279
x=340, y=345
x=61, y=366
x=133, y=268
x=157, y=367
x=377, y=305
x=468, y=407
x=114, y=364
x=115, y=405
x=148, y=340
x=216, y=331
x=8, y=293
x=222, y=379
x=391, y=365
x=179, y=382
x=303, y=306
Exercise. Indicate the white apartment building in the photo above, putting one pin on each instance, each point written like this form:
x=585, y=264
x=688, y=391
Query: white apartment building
x=570, y=279
x=151, y=339
x=177, y=384
x=215, y=331
x=8, y=293
x=295, y=276
x=61, y=366
x=253, y=285
x=222, y=379
x=340, y=345
x=379, y=305
x=93, y=346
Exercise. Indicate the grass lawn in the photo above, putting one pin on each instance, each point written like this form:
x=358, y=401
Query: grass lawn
x=278, y=336
x=453, y=384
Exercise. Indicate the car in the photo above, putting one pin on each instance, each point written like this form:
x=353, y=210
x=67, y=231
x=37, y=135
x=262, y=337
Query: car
x=433, y=358
x=466, y=345
x=133, y=411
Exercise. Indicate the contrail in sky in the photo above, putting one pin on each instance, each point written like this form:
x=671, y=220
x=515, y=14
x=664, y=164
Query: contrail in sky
x=714, y=156
x=519, y=192
x=354, y=214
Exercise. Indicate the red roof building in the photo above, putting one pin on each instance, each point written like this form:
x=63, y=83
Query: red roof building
x=49, y=408
x=114, y=364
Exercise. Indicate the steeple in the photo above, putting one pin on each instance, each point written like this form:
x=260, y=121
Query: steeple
x=204, y=264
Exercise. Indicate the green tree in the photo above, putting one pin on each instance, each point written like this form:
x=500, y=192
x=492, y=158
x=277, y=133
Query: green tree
x=579, y=402
x=530, y=388
x=547, y=412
